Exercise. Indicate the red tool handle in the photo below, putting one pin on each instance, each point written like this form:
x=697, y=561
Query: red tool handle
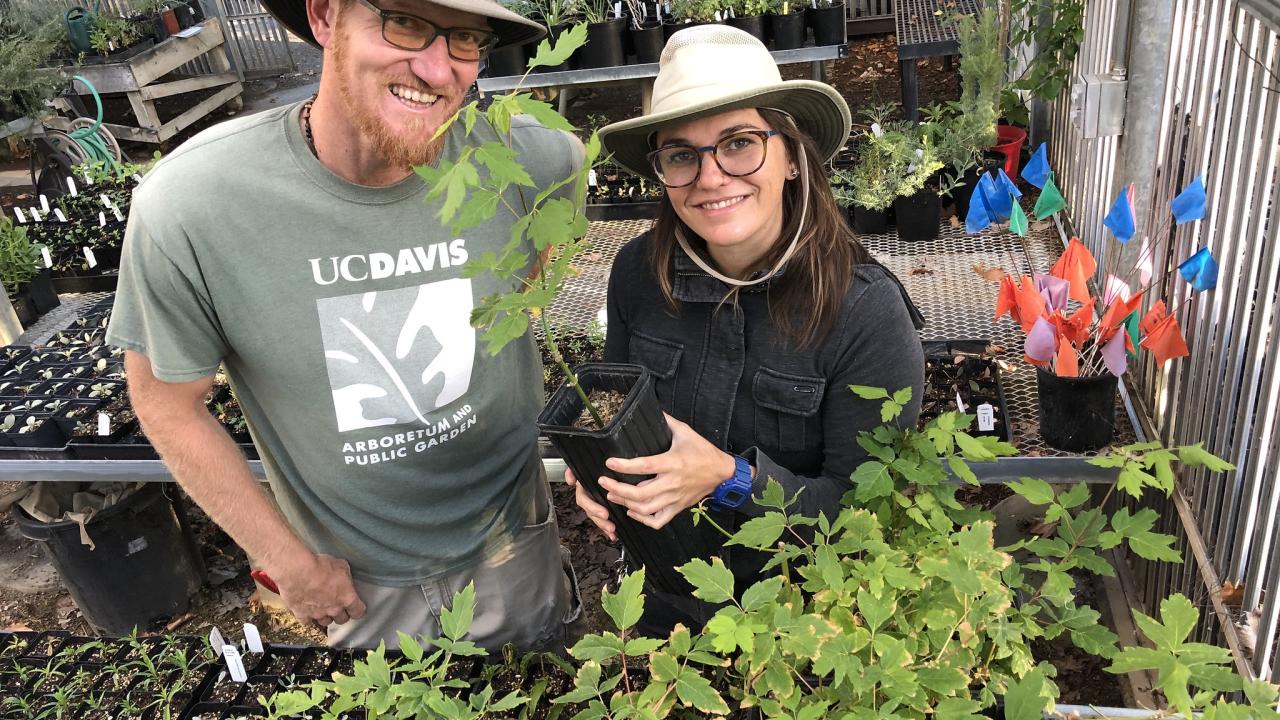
x=265, y=580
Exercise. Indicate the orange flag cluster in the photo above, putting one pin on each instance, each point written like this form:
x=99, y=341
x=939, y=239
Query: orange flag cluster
x=1054, y=335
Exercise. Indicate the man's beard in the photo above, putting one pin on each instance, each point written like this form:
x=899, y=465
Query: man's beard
x=414, y=145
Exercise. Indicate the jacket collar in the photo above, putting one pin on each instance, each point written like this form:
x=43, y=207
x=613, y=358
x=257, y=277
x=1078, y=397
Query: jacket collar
x=692, y=284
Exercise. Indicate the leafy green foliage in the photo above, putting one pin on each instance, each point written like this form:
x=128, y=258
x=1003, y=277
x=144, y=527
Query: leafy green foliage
x=19, y=257
x=894, y=160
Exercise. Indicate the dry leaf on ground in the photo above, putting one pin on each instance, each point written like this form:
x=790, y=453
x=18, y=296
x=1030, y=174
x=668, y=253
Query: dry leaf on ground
x=992, y=274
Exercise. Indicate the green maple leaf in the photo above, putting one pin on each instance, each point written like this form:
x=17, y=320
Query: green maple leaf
x=711, y=582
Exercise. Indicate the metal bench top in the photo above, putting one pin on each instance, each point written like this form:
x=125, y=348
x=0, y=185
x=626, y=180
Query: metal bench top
x=927, y=28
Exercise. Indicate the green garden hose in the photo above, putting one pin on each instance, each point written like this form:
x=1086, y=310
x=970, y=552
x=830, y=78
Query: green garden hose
x=88, y=138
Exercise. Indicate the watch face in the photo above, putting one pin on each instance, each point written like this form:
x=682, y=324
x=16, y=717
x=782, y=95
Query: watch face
x=733, y=498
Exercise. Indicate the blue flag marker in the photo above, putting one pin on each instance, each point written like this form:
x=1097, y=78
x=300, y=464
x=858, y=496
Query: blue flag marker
x=1037, y=170
x=1120, y=219
x=1201, y=270
x=1189, y=205
x=979, y=217
x=999, y=201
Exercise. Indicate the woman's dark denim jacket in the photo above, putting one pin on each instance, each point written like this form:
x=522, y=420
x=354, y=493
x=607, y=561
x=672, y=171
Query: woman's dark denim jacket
x=727, y=371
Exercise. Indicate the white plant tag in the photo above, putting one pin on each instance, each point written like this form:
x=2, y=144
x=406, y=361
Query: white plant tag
x=104, y=424
x=22, y=219
x=234, y=664
x=617, y=9
x=138, y=178
x=718, y=18
x=88, y=179
x=90, y=258
x=48, y=259
x=35, y=215
x=116, y=211
x=986, y=417
x=102, y=219
x=215, y=639
x=592, y=179
x=960, y=403
x=252, y=639
x=57, y=212
x=44, y=204
x=71, y=186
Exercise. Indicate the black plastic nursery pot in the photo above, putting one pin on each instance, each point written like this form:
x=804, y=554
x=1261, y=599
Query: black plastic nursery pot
x=604, y=44
x=637, y=430
x=869, y=222
x=788, y=30
x=648, y=40
x=506, y=61
x=918, y=215
x=753, y=25
x=143, y=565
x=43, y=296
x=1077, y=414
x=554, y=33
x=24, y=309
x=671, y=28
x=828, y=23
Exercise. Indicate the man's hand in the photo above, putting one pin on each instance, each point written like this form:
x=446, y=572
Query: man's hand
x=318, y=589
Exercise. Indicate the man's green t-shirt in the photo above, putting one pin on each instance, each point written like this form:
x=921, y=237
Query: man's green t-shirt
x=390, y=437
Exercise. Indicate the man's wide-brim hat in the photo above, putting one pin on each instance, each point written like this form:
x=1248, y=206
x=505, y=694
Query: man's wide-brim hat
x=512, y=29
x=709, y=69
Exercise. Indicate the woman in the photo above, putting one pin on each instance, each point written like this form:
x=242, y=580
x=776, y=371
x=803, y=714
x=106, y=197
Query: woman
x=750, y=300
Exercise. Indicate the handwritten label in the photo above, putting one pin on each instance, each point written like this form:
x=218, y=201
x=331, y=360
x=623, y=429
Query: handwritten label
x=617, y=9
x=215, y=639
x=102, y=219
x=106, y=201
x=90, y=258
x=57, y=212
x=592, y=180
x=960, y=403
x=252, y=639
x=71, y=186
x=48, y=259
x=986, y=417
x=104, y=424
x=22, y=219
x=44, y=204
x=116, y=211
x=35, y=215
x=234, y=664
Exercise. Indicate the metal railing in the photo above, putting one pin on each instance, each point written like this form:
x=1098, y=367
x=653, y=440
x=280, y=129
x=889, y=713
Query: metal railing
x=1217, y=117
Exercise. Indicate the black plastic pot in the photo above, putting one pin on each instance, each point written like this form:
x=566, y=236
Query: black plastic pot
x=869, y=222
x=43, y=296
x=554, y=33
x=671, y=28
x=754, y=25
x=1077, y=414
x=918, y=215
x=197, y=10
x=24, y=308
x=604, y=44
x=649, y=41
x=961, y=195
x=186, y=18
x=828, y=23
x=787, y=30
x=506, y=61
x=637, y=430
x=144, y=566
x=159, y=29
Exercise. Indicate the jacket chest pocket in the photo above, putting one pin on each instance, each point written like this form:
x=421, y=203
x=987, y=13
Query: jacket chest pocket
x=662, y=358
x=787, y=409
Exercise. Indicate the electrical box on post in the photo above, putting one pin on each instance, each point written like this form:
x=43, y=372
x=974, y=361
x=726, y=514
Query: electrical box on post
x=1097, y=104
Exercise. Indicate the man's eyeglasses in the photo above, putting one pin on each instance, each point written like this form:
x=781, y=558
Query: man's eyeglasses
x=739, y=154
x=410, y=32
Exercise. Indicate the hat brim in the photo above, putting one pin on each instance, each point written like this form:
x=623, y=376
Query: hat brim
x=512, y=29
x=817, y=108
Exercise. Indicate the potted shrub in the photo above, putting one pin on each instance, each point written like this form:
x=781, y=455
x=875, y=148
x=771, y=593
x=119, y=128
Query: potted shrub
x=827, y=18
x=786, y=24
x=557, y=16
x=599, y=411
x=687, y=13
x=25, y=50
x=29, y=287
x=647, y=37
x=749, y=16
x=604, y=35
x=918, y=205
x=117, y=38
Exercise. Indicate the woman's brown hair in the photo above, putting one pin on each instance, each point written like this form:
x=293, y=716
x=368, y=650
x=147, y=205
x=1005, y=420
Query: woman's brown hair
x=805, y=300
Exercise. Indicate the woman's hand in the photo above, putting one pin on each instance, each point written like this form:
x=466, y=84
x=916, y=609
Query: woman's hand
x=594, y=510
x=691, y=470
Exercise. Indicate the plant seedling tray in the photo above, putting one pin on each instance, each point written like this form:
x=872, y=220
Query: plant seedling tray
x=976, y=379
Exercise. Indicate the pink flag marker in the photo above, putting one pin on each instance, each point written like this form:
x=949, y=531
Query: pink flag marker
x=1113, y=355
x=1041, y=341
x=1116, y=288
x=1055, y=290
x=1146, y=264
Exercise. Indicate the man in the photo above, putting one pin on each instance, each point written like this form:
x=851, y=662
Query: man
x=294, y=247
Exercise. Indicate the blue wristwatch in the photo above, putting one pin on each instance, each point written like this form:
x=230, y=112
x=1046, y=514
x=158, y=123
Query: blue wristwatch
x=733, y=492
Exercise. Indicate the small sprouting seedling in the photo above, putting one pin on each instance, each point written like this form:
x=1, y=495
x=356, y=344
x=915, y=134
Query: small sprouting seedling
x=7, y=424
x=101, y=390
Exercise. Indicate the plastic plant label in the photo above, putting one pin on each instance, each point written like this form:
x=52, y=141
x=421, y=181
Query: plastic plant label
x=22, y=219
x=57, y=212
x=234, y=664
x=592, y=179
x=48, y=259
x=44, y=204
x=986, y=417
x=718, y=17
x=88, y=179
x=116, y=211
x=35, y=215
x=104, y=424
x=71, y=186
x=90, y=258
x=102, y=219
x=138, y=178
x=252, y=639
x=960, y=403
x=617, y=9
x=215, y=639
x=106, y=201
